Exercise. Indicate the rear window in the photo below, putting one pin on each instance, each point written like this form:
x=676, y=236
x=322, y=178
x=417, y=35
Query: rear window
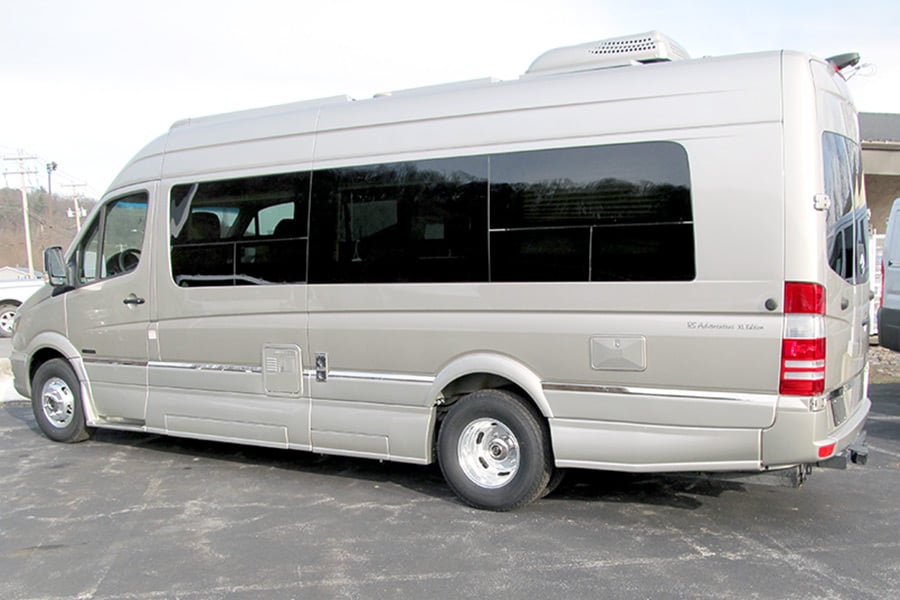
x=847, y=219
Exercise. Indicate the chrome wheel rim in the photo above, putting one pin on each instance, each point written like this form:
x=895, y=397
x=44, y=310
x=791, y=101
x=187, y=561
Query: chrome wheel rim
x=58, y=403
x=6, y=320
x=488, y=453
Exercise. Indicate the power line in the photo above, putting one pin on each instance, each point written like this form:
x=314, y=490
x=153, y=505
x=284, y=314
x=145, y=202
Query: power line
x=37, y=168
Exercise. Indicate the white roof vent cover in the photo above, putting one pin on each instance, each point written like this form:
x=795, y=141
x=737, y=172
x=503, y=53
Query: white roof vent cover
x=652, y=46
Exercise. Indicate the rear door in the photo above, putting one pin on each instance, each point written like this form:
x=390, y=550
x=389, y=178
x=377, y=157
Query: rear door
x=847, y=278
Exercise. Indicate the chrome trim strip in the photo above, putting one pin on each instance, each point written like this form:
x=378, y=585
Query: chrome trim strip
x=586, y=388
x=205, y=367
x=114, y=362
x=368, y=376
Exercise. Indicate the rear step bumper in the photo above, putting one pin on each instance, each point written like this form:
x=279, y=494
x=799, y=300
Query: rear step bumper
x=857, y=453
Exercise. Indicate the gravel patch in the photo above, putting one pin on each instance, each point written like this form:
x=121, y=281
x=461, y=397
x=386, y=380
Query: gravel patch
x=884, y=365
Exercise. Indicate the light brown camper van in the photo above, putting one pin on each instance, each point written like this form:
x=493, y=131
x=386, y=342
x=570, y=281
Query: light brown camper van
x=624, y=260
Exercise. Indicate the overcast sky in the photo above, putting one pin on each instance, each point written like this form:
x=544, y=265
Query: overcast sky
x=88, y=83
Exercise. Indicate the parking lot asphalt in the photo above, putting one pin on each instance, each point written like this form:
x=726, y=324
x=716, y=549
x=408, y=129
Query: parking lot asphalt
x=135, y=516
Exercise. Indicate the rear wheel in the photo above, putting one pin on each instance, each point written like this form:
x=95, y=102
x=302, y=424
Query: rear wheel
x=56, y=402
x=494, y=451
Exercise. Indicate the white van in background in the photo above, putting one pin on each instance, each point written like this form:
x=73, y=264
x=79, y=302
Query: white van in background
x=889, y=311
x=624, y=260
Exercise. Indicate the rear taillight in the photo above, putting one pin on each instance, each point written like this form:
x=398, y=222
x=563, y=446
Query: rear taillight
x=803, y=340
x=881, y=295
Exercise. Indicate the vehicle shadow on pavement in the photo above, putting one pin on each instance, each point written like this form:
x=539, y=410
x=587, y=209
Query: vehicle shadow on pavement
x=579, y=485
x=675, y=491
x=21, y=411
x=670, y=490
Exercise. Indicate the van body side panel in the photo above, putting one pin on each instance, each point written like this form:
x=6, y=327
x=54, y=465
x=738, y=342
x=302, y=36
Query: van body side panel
x=555, y=345
x=645, y=448
x=144, y=167
x=616, y=104
x=711, y=340
x=419, y=343
x=244, y=144
x=229, y=360
x=210, y=377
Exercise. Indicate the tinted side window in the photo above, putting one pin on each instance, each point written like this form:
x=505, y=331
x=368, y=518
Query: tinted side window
x=847, y=217
x=113, y=243
x=422, y=221
x=603, y=213
x=246, y=231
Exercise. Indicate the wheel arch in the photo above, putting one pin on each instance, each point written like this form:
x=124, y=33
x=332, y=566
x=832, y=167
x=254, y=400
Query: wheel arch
x=49, y=345
x=485, y=370
x=480, y=371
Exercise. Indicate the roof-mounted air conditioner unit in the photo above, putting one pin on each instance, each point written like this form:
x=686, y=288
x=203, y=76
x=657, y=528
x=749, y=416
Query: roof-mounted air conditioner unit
x=649, y=47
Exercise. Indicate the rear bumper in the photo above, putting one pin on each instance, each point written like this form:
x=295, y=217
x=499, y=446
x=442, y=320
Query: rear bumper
x=798, y=433
x=857, y=453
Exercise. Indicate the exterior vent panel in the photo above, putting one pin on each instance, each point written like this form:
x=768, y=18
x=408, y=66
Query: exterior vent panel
x=628, y=46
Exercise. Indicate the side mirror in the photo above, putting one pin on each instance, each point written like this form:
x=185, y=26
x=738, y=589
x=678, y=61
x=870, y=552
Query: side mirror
x=55, y=266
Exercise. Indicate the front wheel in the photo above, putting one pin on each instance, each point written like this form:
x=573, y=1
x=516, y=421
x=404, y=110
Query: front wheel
x=494, y=451
x=56, y=402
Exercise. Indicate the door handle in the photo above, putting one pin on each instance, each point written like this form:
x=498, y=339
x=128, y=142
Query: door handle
x=133, y=300
x=844, y=303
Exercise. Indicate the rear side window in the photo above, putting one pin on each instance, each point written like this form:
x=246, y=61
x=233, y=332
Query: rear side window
x=602, y=213
x=847, y=217
x=248, y=231
x=410, y=222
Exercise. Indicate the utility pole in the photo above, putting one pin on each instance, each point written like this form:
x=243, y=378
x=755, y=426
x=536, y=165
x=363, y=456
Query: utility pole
x=78, y=210
x=51, y=166
x=21, y=160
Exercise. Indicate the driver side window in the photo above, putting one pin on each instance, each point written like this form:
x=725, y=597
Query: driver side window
x=113, y=244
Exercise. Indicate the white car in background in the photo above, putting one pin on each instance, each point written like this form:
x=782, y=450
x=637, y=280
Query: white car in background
x=12, y=295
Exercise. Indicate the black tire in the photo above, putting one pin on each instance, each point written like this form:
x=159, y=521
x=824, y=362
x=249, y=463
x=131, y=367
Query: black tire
x=555, y=479
x=7, y=314
x=494, y=451
x=56, y=402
